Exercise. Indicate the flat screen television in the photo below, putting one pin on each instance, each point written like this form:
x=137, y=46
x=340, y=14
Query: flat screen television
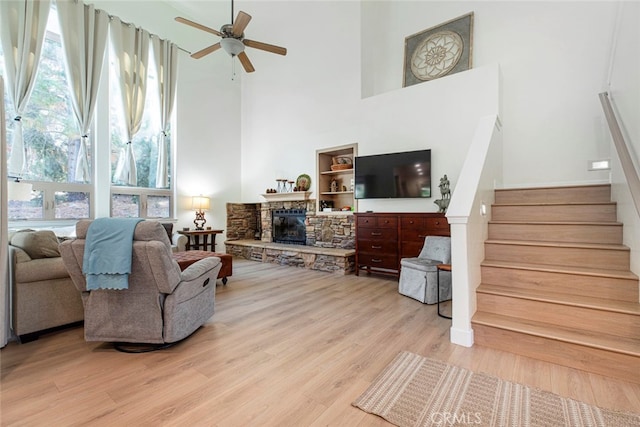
x=395, y=175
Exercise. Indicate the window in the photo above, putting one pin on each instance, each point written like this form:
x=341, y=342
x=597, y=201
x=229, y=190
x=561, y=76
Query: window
x=144, y=200
x=52, y=142
x=51, y=138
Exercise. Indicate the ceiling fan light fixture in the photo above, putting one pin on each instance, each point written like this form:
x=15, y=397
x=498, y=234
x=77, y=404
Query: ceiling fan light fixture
x=232, y=46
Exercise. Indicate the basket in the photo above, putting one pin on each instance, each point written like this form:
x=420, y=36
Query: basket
x=340, y=167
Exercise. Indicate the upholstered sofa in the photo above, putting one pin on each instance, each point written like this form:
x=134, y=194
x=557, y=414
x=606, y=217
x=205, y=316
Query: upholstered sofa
x=43, y=295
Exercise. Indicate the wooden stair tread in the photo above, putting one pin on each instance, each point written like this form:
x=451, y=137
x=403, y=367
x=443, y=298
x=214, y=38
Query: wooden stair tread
x=624, y=345
x=556, y=204
x=585, y=271
x=528, y=222
x=552, y=187
x=617, y=306
x=558, y=244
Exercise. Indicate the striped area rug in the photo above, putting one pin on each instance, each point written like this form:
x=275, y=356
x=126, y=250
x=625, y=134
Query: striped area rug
x=416, y=391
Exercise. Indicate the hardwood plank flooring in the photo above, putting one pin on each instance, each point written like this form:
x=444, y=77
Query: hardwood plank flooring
x=286, y=347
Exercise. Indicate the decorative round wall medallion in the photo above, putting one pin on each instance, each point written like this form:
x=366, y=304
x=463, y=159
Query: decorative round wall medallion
x=436, y=55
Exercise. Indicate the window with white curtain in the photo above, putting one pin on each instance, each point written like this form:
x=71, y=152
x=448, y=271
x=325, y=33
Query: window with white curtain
x=144, y=200
x=51, y=139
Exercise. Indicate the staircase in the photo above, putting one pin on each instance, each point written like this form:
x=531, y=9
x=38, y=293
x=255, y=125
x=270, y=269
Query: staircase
x=556, y=284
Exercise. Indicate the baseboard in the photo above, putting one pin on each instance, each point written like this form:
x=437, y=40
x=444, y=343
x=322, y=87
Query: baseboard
x=463, y=337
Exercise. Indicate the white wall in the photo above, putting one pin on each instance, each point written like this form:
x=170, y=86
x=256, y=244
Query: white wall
x=311, y=99
x=553, y=57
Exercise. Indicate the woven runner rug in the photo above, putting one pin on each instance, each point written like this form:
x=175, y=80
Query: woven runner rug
x=417, y=391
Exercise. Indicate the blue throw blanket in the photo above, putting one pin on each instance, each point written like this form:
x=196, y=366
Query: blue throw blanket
x=107, y=253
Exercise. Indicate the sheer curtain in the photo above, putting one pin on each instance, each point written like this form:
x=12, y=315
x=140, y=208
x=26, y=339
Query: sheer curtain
x=22, y=28
x=5, y=323
x=131, y=48
x=84, y=39
x=165, y=55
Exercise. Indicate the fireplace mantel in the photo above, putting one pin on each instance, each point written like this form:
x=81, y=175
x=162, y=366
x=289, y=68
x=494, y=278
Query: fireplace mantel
x=287, y=197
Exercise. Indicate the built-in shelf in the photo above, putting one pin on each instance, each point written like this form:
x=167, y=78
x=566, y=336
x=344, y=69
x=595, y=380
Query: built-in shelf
x=327, y=158
x=337, y=192
x=338, y=172
x=287, y=197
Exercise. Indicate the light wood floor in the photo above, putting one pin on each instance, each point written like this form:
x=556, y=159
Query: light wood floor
x=286, y=347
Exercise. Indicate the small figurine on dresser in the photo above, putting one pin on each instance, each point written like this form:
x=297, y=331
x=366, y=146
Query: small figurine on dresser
x=445, y=193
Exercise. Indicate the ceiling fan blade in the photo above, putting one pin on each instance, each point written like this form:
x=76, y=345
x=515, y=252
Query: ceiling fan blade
x=198, y=26
x=207, y=50
x=244, y=60
x=241, y=22
x=264, y=46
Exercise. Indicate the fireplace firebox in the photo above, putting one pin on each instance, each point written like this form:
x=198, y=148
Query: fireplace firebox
x=289, y=226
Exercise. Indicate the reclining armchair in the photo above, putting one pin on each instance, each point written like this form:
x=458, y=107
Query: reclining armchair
x=162, y=305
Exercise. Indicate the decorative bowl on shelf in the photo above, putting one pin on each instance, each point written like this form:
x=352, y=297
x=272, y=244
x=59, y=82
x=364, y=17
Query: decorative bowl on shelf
x=340, y=167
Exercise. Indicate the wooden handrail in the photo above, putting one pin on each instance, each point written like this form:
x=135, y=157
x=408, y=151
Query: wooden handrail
x=628, y=167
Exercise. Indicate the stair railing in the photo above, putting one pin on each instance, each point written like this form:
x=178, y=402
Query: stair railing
x=626, y=161
x=468, y=215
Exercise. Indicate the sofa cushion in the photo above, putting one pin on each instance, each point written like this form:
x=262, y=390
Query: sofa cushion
x=37, y=244
x=42, y=269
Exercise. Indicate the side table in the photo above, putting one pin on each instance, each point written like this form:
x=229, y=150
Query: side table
x=441, y=267
x=195, y=235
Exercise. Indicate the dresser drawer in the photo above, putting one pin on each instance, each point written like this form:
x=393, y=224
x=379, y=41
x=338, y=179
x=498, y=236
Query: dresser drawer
x=377, y=221
x=382, y=247
x=389, y=262
x=377, y=234
x=413, y=222
x=438, y=226
x=414, y=235
x=411, y=249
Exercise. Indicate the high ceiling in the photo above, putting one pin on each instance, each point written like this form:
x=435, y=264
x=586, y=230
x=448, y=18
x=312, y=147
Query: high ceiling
x=213, y=13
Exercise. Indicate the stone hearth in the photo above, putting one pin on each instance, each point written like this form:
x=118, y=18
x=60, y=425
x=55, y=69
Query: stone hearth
x=330, y=239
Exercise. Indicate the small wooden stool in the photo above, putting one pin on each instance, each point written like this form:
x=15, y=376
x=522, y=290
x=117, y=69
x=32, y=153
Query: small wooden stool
x=443, y=267
x=186, y=258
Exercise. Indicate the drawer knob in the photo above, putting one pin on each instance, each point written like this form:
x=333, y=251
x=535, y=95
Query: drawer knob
x=374, y=233
x=376, y=260
x=376, y=247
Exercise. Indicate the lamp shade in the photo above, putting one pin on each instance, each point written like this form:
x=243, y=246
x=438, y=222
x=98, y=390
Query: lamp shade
x=200, y=203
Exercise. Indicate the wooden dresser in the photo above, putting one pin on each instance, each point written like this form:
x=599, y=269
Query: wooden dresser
x=382, y=239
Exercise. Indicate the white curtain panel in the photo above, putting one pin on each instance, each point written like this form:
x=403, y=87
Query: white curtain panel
x=165, y=55
x=84, y=33
x=5, y=318
x=131, y=48
x=22, y=27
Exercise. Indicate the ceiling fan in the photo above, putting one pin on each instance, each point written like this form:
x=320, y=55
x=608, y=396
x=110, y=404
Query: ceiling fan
x=233, y=41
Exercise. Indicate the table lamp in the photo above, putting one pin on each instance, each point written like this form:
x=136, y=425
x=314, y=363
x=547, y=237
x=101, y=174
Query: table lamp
x=200, y=204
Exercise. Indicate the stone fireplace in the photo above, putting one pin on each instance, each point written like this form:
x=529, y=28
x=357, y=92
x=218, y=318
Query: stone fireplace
x=255, y=221
x=328, y=243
